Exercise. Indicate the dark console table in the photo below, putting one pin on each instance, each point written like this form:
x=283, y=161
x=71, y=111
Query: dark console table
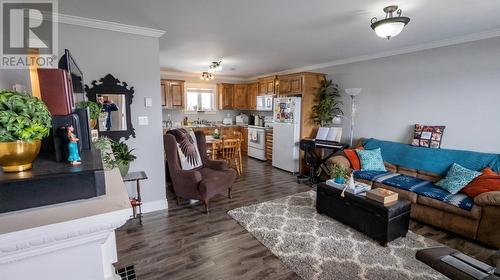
x=383, y=223
x=50, y=182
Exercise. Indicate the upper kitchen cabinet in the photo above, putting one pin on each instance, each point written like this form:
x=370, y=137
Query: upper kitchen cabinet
x=241, y=96
x=291, y=84
x=225, y=93
x=172, y=94
x=252, y=92
x=267, y=86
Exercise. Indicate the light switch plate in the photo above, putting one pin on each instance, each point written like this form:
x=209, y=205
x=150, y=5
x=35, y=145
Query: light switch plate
x=148, y=101
x=143, y=120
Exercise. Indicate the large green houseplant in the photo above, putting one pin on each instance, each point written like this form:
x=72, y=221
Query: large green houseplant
x=327, y=103
x=24, y=122
x=115, y=154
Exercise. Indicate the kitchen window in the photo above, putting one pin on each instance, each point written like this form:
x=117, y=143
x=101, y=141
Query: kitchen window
x=200, y=100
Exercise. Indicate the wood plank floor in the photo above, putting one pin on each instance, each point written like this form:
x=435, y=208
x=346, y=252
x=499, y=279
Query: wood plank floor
x=184, y=243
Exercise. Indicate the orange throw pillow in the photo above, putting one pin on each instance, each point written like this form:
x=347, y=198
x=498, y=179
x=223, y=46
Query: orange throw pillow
x=489, y=181
x=353, y=158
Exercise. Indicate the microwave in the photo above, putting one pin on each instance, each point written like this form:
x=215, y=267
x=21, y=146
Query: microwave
x=264, y=103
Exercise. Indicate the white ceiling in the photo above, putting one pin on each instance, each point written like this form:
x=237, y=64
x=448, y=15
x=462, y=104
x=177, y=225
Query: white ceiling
x=264, y=36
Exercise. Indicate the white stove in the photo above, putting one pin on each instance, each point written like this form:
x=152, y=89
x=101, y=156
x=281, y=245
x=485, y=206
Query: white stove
x=257, y=142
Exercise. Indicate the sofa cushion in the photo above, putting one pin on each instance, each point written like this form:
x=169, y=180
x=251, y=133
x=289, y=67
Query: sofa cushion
x=457, y=178
x=371, y=160
x=436, y=161
x=407, y=171
x=411, y=196
x=416, y=185
x=488, y=181
x=429, y=176
x=474, y=213
x=370, y=175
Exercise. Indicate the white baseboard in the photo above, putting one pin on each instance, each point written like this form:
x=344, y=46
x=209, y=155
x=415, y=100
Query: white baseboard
x=155, y=205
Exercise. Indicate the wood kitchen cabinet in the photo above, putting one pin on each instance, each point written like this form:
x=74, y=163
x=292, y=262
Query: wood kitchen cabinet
x=252, y=93
x=240, y=96
x=172, y=94
x=244, y=140
x=290, y=84
x=225, y=94
x=267, y=85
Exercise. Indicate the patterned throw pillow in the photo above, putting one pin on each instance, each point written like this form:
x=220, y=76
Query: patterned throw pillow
x=371, y=160
x=457, y=178
x=427, y=136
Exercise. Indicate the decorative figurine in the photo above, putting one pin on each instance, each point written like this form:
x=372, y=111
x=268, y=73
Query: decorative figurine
x=351, y=183
x=74, y=157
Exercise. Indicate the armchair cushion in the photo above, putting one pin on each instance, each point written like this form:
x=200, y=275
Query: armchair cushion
x=216, y=164
x=215, y=181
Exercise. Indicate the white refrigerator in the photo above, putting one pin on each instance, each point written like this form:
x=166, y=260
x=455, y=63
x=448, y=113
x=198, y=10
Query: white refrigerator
x=286, y=133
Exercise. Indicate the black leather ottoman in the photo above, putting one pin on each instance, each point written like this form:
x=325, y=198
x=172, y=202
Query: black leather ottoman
x=432, y=257
x=383, y=223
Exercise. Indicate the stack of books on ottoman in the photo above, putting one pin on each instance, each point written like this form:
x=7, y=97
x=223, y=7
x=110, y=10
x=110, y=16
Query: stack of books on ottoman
x=357, y=189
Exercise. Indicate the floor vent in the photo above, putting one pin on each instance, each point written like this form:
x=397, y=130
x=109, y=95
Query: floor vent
x=127, y=273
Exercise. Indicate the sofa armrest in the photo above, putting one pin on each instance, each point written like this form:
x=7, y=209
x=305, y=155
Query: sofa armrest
x=216, y=164
x=488, y=199
x=340, y=160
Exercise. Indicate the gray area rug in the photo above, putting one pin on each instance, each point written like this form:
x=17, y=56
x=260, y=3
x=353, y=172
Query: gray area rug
x=318, y=247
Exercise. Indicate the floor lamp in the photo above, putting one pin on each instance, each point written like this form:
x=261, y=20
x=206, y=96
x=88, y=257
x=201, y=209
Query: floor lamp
x=352, y=92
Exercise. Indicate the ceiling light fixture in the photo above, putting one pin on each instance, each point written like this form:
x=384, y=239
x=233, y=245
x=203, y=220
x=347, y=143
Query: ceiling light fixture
x=216, y=66
x=391, y=25
x=207, y=76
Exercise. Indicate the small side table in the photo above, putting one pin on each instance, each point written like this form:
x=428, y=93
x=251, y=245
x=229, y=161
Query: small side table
x=136, y=202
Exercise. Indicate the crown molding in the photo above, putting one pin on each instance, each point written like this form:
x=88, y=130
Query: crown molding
x=105, y=25
x=405, y=50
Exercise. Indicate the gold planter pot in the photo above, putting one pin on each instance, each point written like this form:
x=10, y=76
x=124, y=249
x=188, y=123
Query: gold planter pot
x=18, y=155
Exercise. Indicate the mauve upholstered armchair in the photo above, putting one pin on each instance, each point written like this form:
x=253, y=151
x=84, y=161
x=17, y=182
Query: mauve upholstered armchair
x=212, y=178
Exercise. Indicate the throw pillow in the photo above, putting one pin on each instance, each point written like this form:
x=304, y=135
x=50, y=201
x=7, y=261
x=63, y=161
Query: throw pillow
x=371, y=160
x=427, y=136
x=353, y=158
x=457, y=178
x=488, y=181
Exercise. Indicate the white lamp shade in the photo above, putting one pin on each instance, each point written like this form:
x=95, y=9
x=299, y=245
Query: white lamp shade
x=353, y=91
x=389, y=29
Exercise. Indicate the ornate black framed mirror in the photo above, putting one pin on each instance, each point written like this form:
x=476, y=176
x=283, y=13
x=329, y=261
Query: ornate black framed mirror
x=115, y=98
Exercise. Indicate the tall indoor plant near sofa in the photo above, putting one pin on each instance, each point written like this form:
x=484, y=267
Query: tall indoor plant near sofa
x=24, y=122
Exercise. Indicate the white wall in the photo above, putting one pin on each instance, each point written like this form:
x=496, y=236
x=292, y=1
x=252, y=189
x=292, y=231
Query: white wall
x=135, y=60
x=456, y=86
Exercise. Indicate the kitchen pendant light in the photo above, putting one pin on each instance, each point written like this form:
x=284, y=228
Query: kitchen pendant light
x=207, y=76
x=391, y=25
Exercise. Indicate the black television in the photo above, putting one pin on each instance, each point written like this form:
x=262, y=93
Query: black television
x=68, y=63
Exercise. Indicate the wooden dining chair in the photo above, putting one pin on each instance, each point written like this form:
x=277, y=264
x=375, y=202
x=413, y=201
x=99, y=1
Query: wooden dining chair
x=236, y=135
x=231, y=152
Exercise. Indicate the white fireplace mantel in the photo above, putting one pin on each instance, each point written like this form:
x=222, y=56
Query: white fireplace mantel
x=73, y=240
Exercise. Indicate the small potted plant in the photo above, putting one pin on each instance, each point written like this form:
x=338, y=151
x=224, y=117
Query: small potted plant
x=24, y=122
x=339, y=173
x=95, y=110
x=115, y=154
